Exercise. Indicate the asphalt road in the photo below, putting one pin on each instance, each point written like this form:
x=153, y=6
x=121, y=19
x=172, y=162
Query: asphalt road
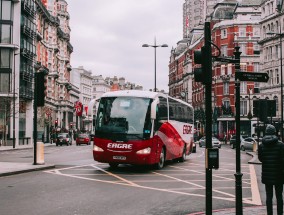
x=80, y=185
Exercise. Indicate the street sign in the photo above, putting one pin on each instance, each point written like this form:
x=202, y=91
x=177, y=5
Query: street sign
x=227, y=60
x=252, y=76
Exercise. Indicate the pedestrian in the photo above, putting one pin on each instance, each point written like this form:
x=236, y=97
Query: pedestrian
x=270, y=153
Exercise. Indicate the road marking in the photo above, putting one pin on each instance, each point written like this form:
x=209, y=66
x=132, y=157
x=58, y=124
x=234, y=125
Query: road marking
x=115, y=176
x=255, y=199
x=254, y=187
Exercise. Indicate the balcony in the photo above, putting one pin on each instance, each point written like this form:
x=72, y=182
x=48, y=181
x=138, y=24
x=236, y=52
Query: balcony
x=29, y=9
x=28, y=32
x=69, y=67
x=27, y=54
x=69, y=47
x=26, y=93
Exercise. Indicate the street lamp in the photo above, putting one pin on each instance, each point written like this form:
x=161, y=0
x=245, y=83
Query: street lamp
x=281, y=77
x=14, y=100
x=155, y=46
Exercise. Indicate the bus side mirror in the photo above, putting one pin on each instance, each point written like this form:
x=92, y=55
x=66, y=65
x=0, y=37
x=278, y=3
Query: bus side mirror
x=154, y=109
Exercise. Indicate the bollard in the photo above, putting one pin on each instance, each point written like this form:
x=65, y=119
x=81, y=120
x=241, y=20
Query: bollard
x=254, y=147
x=40, y=153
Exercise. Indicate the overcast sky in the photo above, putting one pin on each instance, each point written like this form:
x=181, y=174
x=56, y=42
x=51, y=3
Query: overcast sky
x=107, y=37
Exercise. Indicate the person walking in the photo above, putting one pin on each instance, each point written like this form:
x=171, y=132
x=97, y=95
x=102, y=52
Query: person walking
x=270, y=153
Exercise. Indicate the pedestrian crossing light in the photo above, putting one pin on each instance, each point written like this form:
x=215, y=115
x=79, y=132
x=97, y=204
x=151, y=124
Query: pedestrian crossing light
x=202, y=73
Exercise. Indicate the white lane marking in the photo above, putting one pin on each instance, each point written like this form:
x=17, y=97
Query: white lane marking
x=187, y=182
x=115, y=176
x=131, y=184
x=254, y=187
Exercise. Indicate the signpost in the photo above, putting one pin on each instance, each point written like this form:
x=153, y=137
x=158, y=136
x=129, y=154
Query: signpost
x=252, y=76
x=240, y=76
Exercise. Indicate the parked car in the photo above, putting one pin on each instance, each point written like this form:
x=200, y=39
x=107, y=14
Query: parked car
x=233, y=140
x=215, y=142
x=63, y=138
x=83, y=139
x=247, y=143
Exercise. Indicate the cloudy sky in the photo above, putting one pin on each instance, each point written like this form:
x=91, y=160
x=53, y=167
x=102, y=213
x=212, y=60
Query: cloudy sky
x=107, y=37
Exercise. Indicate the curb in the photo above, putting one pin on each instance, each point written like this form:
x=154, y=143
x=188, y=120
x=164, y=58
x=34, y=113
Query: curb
x=23, y=148
x=27, y=170
x=254, y=159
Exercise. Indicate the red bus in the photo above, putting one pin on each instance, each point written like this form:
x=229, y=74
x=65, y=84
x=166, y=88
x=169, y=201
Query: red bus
x=142, y=128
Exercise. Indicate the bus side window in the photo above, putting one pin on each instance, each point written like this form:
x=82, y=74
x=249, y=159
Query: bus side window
x=162, y=113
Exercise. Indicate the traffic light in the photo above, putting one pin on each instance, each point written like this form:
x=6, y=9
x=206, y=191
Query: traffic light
x=41, y=86
x=56, y=123
x=204, y=73
x=255, y=108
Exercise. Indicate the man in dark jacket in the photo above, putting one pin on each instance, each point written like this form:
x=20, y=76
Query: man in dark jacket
x=270, y=153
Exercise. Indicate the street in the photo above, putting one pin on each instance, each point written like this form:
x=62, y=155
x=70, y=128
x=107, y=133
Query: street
x=80, y=185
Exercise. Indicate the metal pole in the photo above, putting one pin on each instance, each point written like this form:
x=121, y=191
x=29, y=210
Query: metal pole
x=14, y=105
x=238, y=174
x=281, y=79
x=208, y=114
x=35, y=118
x=155, y=89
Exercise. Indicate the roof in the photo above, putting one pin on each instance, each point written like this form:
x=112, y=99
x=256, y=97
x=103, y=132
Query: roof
x=131, y=93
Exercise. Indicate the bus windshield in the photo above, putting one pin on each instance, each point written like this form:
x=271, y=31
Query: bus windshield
x=124, y=118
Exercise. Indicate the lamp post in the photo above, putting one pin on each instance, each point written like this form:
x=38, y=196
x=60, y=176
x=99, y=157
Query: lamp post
x=280, y=34
x=155, y=46
x=14, y=102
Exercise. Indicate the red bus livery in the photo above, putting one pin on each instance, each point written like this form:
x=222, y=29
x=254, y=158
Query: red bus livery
x=142, y=128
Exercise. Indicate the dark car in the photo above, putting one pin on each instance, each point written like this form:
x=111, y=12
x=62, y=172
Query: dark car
x=233, y=140
x=63, y=138
x=83, y=139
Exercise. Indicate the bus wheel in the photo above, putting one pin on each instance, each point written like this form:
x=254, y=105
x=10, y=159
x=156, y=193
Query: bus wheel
x=183, y=157
x=113, y=165
x=161, y=162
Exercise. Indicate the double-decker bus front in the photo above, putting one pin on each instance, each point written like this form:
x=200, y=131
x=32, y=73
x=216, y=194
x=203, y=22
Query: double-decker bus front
x=123, y=130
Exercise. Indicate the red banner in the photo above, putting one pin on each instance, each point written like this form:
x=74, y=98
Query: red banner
x=78, y=108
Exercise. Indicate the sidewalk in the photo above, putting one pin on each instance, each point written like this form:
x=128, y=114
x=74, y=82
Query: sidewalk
x=12, y=168
x=254, y=210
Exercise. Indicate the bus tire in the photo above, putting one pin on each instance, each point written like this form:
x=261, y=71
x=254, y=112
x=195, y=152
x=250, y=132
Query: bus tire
x=113, y=165
x=161, y=162
x=183, y=157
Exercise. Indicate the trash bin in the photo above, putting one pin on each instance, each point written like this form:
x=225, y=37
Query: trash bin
x=39, y=153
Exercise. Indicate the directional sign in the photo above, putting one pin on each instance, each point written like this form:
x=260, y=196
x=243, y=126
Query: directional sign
x=227, y=60
x=252, y=76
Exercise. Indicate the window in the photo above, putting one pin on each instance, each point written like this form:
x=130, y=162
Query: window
x=243, y=67
x=277, y=76
x=242, y=32
x=243, y=48
x=256, y=31
x=224, y=50
x=5, y=58
x=226, y=103
x=223, y=33
x=6, y=10
x=223, y=69
x=5, y=33
x=243, y=107
x=229, y=72
x=243, y=87
x=226, y=88
x=255, y=66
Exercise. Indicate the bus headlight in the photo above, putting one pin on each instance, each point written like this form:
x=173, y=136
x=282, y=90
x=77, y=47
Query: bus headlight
x=98, y=149
x=144, y=151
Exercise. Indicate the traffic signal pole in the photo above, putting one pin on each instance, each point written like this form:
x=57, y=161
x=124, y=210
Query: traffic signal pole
x=238, y=174
x=208, y=114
